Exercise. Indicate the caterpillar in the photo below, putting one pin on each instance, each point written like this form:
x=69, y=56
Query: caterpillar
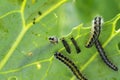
x=75, y=44
x=70, y=64
x=66, y=45
x=104, y=57
x=53, y=39
x=97, y=22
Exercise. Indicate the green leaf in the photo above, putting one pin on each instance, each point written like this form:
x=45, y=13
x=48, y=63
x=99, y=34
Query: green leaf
x=88, y=9
x=17, y=30
x=26, y=53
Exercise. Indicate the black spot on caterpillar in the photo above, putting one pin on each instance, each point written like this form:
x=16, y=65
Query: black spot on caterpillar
x=53, y=39
x=75, y=44
x=104, y=57
x=66, y=45
x=71, y=65
x=97, y=23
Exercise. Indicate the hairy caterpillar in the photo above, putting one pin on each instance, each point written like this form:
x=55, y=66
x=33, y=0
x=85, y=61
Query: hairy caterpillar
x=75, y=44
x=71, y=65
x=97, y=22
x=104, y=57
x=66, y=45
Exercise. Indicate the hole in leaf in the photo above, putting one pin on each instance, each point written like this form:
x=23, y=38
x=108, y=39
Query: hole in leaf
x=119, y=46
x=117, y=25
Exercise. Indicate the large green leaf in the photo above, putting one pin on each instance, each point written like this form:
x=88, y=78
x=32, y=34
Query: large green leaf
x=26, y=54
